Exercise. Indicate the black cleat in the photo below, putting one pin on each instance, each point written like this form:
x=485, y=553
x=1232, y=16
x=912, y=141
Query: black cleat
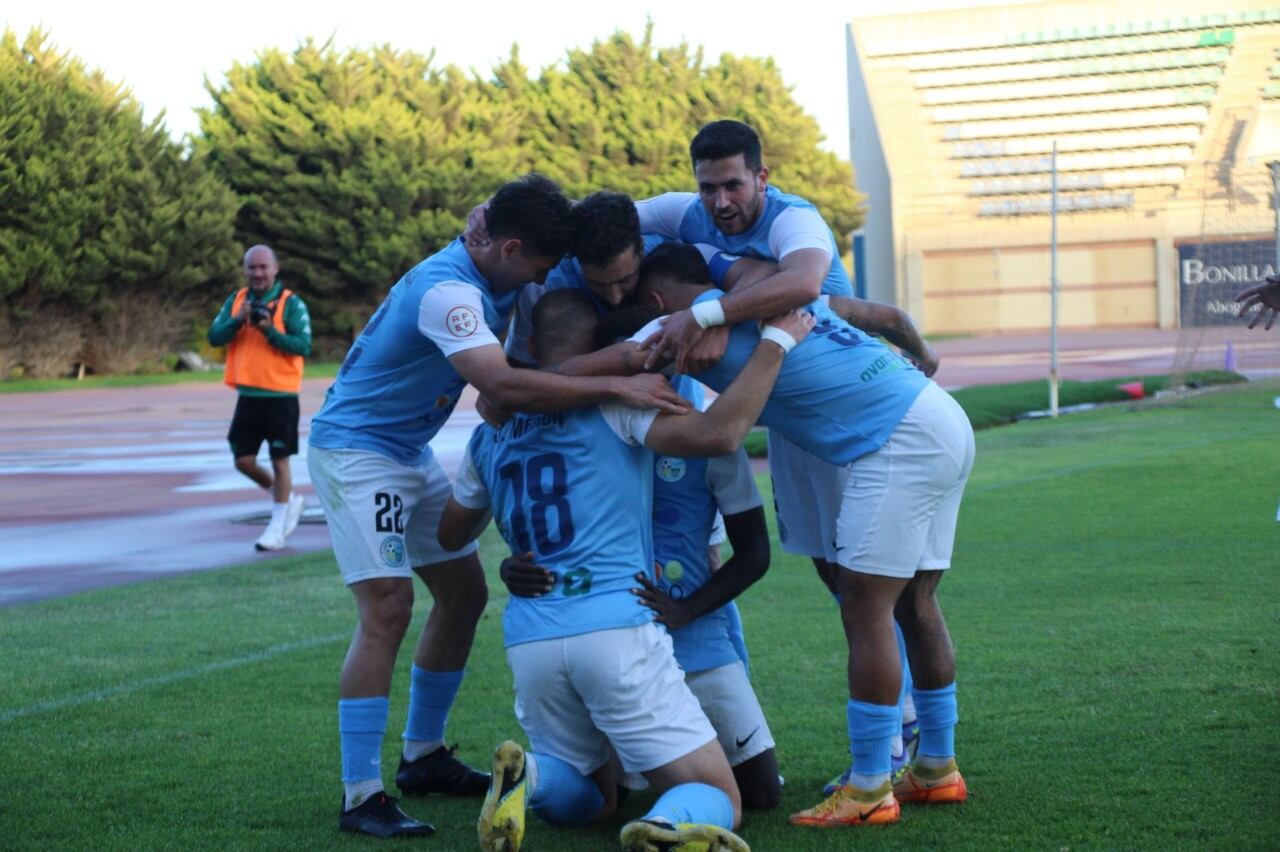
x=380, y=816
x=440, y=772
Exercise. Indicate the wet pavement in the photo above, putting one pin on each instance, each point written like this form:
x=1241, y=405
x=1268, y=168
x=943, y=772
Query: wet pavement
x=107, y=486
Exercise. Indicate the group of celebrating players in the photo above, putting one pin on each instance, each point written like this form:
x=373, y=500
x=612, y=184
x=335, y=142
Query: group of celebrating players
x=606, y=475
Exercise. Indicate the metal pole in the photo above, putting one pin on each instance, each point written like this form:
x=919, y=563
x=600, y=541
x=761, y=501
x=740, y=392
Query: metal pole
x=1053, y=284
x=1274, y=165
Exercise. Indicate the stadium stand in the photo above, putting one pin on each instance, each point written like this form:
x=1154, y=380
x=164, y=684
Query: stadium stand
x=954, y=116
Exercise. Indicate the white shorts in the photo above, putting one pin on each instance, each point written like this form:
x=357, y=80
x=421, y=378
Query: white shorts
x=900, y=505
x=576, y=695
x=806, y=498
x=382, y=515
x=730, y=703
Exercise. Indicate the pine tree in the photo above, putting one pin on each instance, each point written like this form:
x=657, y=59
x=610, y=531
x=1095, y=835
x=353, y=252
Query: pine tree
x=354, y=166
x=99, y=209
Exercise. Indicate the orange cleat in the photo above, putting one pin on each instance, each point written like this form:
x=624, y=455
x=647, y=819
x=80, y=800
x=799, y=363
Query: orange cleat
x=937, y=786
x=850, y=805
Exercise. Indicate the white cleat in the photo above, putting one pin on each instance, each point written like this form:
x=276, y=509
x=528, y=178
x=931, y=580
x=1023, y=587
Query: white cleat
x=271, y=539
x=293, y=514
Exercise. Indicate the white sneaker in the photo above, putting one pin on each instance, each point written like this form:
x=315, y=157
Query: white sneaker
x=271, y=539
x=294, y=513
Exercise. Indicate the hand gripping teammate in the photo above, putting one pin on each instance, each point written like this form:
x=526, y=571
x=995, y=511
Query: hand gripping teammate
x=383, y=490
x=591, y=669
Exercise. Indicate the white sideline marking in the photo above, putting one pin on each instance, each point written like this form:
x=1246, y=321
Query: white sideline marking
x=162, y=680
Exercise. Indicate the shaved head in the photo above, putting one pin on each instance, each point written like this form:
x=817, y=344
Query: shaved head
x=260, y=248
x=260, y=268
x=564, y=325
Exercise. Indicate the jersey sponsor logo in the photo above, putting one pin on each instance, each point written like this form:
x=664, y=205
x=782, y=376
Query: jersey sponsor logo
x=392, y=551
x=671, y=468
x=887, y=363
x=462, y=321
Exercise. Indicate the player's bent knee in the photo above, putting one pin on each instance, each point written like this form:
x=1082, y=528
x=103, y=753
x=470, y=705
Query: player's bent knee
x=464, y=604
x=390, y=619
x=458, y=587
x=386, y=608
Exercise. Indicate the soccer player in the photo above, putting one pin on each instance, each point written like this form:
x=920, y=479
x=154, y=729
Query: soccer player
x=591, y=669
x=737, y=210
x=696, y=603
x=907, y=449
x=694, y=599
x=383, y=490
x=730, y=271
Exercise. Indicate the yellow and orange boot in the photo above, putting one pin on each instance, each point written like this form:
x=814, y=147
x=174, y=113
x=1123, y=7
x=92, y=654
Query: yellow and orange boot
x=935, y=786
x=850, y=805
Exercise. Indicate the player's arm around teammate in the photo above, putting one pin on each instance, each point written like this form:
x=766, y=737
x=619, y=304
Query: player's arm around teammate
x=891, y=323
x=682, y=432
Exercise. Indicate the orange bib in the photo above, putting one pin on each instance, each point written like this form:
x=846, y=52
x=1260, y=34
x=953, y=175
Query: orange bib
x=253, y=361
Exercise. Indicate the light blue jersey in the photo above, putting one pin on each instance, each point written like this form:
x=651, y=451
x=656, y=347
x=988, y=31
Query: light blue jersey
x=689, y=222
x=840, y=392
x=686, y=495
x=566, y=487
x=396, y=387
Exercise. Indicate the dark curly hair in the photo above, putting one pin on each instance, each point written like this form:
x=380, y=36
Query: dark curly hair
x=605, y=224
x=534, y=210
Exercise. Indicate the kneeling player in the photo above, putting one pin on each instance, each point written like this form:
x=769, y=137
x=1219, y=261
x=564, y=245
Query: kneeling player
x=591, y=669
x=694, y=600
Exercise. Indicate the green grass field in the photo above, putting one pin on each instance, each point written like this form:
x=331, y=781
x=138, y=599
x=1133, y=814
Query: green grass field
x=314, y=370
x=1113, y=603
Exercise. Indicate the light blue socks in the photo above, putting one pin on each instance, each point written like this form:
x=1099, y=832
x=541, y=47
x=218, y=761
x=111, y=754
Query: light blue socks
x=562, y=794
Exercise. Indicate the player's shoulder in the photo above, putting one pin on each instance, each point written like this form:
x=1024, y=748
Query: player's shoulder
x=566, y=275
x=788, y=199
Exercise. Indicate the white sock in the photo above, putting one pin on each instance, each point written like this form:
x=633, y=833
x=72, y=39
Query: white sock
x=530, y=775
x=277, y=513
x=360, y=791
x=414, y=749
x=908, y=711
x=868, y=782
x=896, y=747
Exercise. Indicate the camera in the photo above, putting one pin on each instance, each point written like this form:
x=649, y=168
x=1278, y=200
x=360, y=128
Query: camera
x=258, y=312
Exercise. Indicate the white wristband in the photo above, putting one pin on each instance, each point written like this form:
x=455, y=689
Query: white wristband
x=778, y=336
x=825, y=299
x=708, y=313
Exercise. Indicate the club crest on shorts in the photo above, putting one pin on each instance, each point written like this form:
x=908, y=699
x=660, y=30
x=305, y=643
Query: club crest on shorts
x=671, y=468
x=392, y=551
x=673, y=571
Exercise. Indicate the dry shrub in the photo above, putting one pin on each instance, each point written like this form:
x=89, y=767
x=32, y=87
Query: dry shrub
x=136, y=332
x=10, y=366
x=47, y=344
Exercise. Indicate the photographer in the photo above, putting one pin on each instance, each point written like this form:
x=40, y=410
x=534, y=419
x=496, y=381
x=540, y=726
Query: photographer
x=267, y=332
